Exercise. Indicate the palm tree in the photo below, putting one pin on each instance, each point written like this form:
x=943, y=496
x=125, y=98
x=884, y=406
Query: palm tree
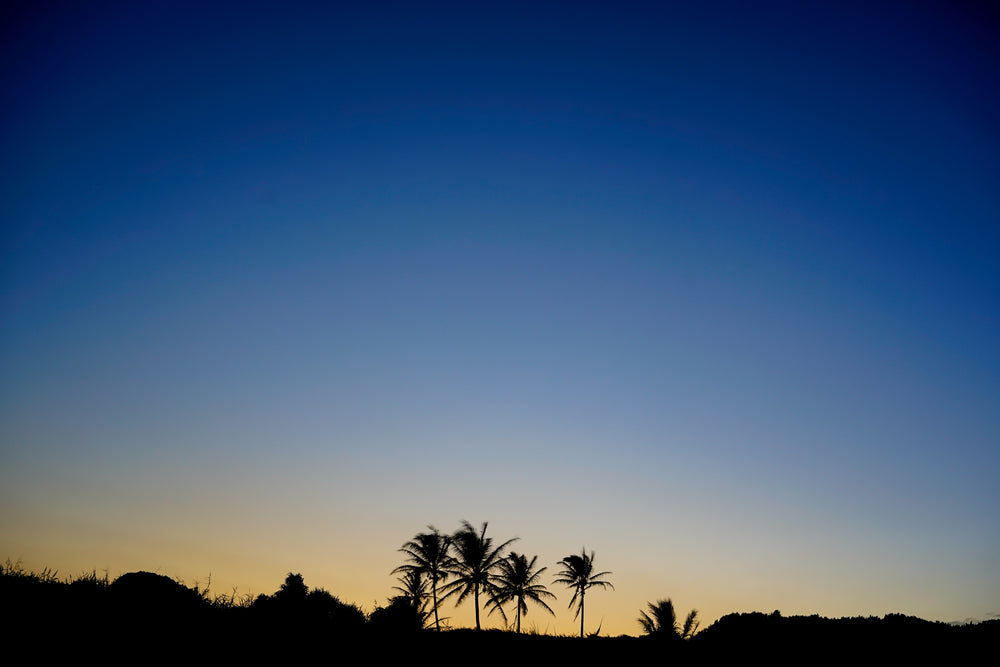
x=474, y=564
x=413, y=586
x=429, y=554
x=661, y=621
x=578, y=573
x=517, y=581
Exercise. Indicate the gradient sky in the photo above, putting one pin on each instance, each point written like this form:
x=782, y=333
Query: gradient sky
x=713, y=291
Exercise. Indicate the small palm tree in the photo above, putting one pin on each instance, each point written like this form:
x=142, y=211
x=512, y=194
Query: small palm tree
x=413, y=586
x=661, y=621
x=578, y=573
x=474, y=564
x=517, y=581
x=429, y=554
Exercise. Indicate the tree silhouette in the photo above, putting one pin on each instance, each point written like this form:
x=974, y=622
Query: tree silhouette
x=294, y=607
x=578, y=573
x=429, y=554
x=413, y=586
x=293, y=591
x=661, y=621
x=397, y=618
x=473, y=564
x=517, y=581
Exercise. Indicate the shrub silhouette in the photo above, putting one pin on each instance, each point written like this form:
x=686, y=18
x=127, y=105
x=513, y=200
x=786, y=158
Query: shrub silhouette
x=293, y=591
x=296, y=610
x=147, y=598
x=398, y=617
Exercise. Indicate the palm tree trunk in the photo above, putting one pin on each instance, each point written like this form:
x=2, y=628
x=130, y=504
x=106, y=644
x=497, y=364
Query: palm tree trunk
x=434, y=590
x=581, y=614
x=477, y=606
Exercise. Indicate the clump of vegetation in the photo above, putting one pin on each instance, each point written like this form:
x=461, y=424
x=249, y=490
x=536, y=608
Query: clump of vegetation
x=14, y=571
x=660, y=620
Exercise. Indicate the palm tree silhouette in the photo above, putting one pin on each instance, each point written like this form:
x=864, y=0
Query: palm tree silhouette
x=661, y=621
x=517, y=581
x=578, y=573
x=429, y=554
x=413, y=586
x=473, y=564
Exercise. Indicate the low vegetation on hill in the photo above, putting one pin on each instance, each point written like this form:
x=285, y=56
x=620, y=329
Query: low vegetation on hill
x=141, y=614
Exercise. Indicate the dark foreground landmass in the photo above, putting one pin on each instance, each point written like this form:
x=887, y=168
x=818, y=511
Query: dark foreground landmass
x=143, y=617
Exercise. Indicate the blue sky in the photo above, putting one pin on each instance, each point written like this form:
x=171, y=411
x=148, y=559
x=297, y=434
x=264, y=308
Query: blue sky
x=713, y=291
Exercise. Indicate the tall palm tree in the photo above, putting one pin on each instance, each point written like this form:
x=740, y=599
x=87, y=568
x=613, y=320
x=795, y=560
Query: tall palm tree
x=517, y=581
x=578, y=573
x=473, y=565
x=430, y=555
x=661, y=621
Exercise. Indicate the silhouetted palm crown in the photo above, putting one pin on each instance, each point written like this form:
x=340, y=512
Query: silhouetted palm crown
x=517, y=581
x=661, y=621
x=413, y=586
x=429, y=554
x=578, y=573
x=473, y=565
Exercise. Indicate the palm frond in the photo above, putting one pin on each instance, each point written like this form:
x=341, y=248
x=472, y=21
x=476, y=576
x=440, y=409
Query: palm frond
x=661, y=621
x=690, y=624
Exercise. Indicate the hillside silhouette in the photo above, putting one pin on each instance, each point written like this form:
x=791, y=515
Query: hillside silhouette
x=141, y=615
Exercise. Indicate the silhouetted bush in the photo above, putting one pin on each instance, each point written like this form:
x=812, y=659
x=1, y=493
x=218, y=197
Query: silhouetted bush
x=399, y=617
x=297, y=617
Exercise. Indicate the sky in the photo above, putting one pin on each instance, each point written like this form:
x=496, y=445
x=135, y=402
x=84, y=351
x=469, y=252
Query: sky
x=709, y=288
